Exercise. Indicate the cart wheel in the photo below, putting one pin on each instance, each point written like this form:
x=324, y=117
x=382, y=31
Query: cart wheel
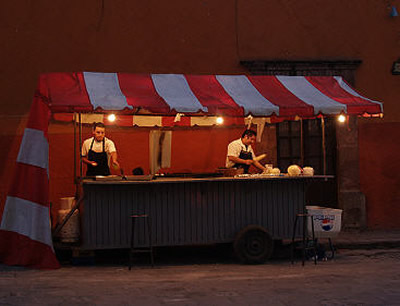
x=253, y=245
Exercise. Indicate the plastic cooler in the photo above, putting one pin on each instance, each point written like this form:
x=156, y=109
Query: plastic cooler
x=327, y=221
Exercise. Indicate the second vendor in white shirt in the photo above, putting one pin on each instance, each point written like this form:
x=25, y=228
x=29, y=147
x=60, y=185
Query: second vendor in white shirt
x=240, y=153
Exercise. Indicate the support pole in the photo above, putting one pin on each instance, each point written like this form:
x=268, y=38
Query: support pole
x=74, y=119
x=80, y=146
x=76, y=181
x=323, y=144
x=301, y=143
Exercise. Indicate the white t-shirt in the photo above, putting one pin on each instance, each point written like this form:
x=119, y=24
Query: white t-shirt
x=109, y=146
x=234, y=149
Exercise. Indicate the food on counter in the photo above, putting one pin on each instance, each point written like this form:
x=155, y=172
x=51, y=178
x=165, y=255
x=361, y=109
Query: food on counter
x=244, y=175
x=274, y=171
x=268, y=167
x=294, y=170
x=308, y=171
x=271, y=172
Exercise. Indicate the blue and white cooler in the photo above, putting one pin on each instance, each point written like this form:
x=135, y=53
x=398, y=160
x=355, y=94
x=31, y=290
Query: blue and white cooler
x=327, y=221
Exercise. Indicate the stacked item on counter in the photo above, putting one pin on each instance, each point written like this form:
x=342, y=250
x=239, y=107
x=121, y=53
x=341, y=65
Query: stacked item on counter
x=293, y=170
x=296, y=170
x=271, y=171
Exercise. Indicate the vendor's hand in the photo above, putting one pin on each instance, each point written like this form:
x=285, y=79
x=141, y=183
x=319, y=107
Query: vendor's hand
x=115, y=165
x=94, y=164
x=248, y=162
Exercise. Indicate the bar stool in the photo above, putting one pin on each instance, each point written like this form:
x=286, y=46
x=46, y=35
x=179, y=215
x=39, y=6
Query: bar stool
x=146, y=249
x=306, y=245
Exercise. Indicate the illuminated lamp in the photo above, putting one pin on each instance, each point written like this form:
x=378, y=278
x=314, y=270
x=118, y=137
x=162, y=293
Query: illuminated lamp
x=342, y=118
x=111, y=117
x=220, y=120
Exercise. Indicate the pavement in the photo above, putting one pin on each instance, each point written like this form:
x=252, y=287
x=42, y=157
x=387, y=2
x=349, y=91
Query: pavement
x=367, y=239
x=365, y=272
x=368, y=276
x=345, y=240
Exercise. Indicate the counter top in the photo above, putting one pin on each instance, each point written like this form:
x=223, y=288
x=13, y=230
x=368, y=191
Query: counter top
x=156, y=180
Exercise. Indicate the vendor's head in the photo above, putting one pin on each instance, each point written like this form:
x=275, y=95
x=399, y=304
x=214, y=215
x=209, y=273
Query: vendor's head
x=249, y=137
x=99, y=131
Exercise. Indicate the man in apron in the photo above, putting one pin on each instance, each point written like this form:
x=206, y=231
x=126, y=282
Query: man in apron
x=240, y=153
x=96, y=151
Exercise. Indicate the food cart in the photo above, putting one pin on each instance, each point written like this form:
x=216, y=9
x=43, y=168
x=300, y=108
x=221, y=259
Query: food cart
x=250, y=211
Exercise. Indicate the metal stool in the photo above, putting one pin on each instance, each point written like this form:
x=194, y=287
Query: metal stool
x=305, y=245
x=149, y=248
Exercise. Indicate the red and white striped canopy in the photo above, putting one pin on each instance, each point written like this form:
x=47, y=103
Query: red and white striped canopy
x=222, y=95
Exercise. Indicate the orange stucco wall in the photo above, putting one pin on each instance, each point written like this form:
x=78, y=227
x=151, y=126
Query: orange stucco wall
x=380, y=176
x=202, y=37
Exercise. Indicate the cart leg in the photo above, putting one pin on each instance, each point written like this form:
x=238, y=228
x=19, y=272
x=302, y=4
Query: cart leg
x=292, y=246
x=314, y=240
x=332, y=248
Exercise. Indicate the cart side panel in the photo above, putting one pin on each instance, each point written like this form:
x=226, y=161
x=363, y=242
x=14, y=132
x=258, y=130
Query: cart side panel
x=188, y=212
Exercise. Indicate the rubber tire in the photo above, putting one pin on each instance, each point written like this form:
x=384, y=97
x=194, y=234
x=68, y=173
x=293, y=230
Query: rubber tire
x=253, y=245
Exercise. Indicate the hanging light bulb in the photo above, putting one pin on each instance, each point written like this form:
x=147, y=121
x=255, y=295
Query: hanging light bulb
x=111, y=117
x=220, y=120
x=342, y=118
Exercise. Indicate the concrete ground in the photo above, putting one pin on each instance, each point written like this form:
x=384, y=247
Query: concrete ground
x=364, y=275
x=368, y=239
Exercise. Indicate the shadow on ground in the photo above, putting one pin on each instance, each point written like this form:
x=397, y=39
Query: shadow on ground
x=167, y=256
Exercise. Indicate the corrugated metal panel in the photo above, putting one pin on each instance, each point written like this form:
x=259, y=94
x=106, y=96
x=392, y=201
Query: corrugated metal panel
x=185, y=212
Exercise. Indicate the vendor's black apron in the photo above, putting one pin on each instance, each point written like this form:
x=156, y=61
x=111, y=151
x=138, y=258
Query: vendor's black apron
x=101, y=159
x=244, y=155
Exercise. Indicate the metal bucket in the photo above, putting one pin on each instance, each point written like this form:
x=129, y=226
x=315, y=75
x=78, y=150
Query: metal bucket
x=71, y=230
x=67, y=203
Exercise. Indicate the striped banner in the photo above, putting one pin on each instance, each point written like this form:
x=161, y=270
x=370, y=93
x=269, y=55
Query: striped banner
x=212, y=95
x=25, y=233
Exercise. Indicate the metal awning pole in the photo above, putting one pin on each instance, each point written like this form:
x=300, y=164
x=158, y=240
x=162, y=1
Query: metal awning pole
x=80, y=146
x=75, y=180
x=323, y=144
x=301, y=143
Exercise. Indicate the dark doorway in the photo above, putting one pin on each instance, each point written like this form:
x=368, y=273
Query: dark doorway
x=309, y=152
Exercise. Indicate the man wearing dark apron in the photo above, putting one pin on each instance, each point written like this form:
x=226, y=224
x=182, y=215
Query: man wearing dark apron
x=99, y=158
x=240, y=153
x=95, y=152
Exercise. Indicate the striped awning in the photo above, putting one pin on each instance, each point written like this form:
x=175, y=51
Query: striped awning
x=212, y=95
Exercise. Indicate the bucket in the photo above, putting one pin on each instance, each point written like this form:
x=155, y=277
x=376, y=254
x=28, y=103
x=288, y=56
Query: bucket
x=327, y=221
x=67, y=203
x=70, y=231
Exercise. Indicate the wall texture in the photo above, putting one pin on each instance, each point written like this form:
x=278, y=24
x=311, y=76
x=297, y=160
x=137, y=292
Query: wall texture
x=202, y=37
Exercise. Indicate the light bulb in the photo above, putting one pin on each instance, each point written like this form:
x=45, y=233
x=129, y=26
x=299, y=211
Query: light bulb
x=220, y=120
x=342, y=118
x=111, y=117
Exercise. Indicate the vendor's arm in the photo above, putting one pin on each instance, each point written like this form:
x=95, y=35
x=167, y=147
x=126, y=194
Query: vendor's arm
x=114, y=159
x=255, y=162
x=238, y=160
x=84, y=152
x=89, y=162
x=258, y=165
